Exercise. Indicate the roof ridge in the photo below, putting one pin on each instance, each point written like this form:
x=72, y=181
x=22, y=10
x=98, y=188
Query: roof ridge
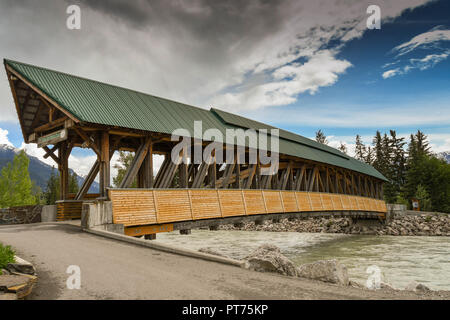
x=100, y=82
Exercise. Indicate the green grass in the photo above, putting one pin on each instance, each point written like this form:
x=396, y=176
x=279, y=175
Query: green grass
x=6, y=256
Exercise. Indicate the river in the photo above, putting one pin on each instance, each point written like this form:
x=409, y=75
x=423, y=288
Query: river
x=400, y=259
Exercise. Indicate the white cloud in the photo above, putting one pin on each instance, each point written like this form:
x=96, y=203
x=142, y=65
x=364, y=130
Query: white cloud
x=428, y=61
x=4, y=137
x=432, y=39
x=322, y=69
x=391, y=73
x=425, y=39
x=439, y=142
x=425, y=63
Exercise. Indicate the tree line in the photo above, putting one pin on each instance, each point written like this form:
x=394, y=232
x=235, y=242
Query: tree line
x=413, y=170
x=17, y=189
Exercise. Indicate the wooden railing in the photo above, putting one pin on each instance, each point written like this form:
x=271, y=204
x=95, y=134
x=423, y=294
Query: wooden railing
x=133, y=207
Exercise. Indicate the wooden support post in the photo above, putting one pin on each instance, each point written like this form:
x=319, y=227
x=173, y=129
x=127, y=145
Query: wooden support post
x=200, y=176
x=212, y=173
x=183, y=172
x=104, y=164
x=63, y=167
x=161, y=171
x=312, y=179
x=238, y=180
x=299, y=178
x=285, y=176
x=227, y=174
x=251, y=174
x=132, y=171
x=88, y=181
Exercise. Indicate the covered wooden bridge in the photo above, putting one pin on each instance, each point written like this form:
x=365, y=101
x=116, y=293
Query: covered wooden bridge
x=59, y=111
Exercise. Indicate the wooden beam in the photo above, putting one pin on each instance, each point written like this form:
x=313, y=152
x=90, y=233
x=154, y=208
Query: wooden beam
x=312, y=178
x=104, y=164
x=88, y=181
x=252, y=172
x=125, y=133
x=63, y=167
x=51, y=125
x=200, y=176
x=16, y=102
x=299, y=178
x=88, y=141
x=238, y=181
x=161, y=171
x=212, y=174
x=50, y=152
x=286, y=175
x=227, y=174
x=183, y=171
x=132, y=171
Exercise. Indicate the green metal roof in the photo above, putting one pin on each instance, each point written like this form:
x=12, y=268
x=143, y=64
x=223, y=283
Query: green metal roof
x=101, y=103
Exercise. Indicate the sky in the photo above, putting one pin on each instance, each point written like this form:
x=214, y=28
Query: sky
x=299, y=65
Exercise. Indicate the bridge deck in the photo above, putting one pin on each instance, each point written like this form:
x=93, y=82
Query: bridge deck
x=152, y=207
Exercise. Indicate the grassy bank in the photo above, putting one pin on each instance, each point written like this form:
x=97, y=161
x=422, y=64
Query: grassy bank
x=6, y=256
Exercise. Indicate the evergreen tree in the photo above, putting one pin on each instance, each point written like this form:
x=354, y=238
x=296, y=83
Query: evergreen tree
x=15, y=183
x=398, y=163
x=360, y=149
x=369, y=155
x=124, y=162
x=73, y=182
x=343, y=148
x=379, y=162
x=422, y=146
x=424, y=198
x=51, y=193
x=321, y=137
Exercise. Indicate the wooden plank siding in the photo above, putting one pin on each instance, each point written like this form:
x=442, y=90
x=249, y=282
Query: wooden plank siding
x=134, y=207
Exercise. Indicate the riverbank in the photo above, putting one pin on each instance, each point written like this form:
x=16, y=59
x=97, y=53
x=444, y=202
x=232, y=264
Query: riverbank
x=399, y=225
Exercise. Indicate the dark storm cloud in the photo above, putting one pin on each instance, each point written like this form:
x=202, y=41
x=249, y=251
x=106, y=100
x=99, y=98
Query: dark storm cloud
x=214, y=20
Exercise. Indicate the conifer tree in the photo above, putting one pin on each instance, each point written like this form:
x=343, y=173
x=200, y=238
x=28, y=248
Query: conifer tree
x=343, y=148
x=360, y=149
x=51, y=193
x=321, y=137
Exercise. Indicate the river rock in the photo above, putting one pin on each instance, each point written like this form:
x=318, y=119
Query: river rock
x=325, y=270
x=22, y=266
x=268, y=258
x=417, y=287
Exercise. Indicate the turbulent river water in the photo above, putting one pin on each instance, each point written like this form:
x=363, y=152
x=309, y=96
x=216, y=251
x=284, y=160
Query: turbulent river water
x=400, y=259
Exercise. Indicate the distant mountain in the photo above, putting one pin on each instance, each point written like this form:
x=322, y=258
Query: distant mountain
x=39, y=171
x=445, y=155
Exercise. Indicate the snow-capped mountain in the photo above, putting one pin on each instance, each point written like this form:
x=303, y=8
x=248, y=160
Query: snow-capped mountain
x=39, y=171
x=445, y=155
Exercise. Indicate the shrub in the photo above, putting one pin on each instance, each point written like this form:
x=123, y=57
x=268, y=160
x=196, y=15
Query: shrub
x=6, y=256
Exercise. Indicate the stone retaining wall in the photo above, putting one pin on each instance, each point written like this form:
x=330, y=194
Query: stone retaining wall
x=20, y=215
